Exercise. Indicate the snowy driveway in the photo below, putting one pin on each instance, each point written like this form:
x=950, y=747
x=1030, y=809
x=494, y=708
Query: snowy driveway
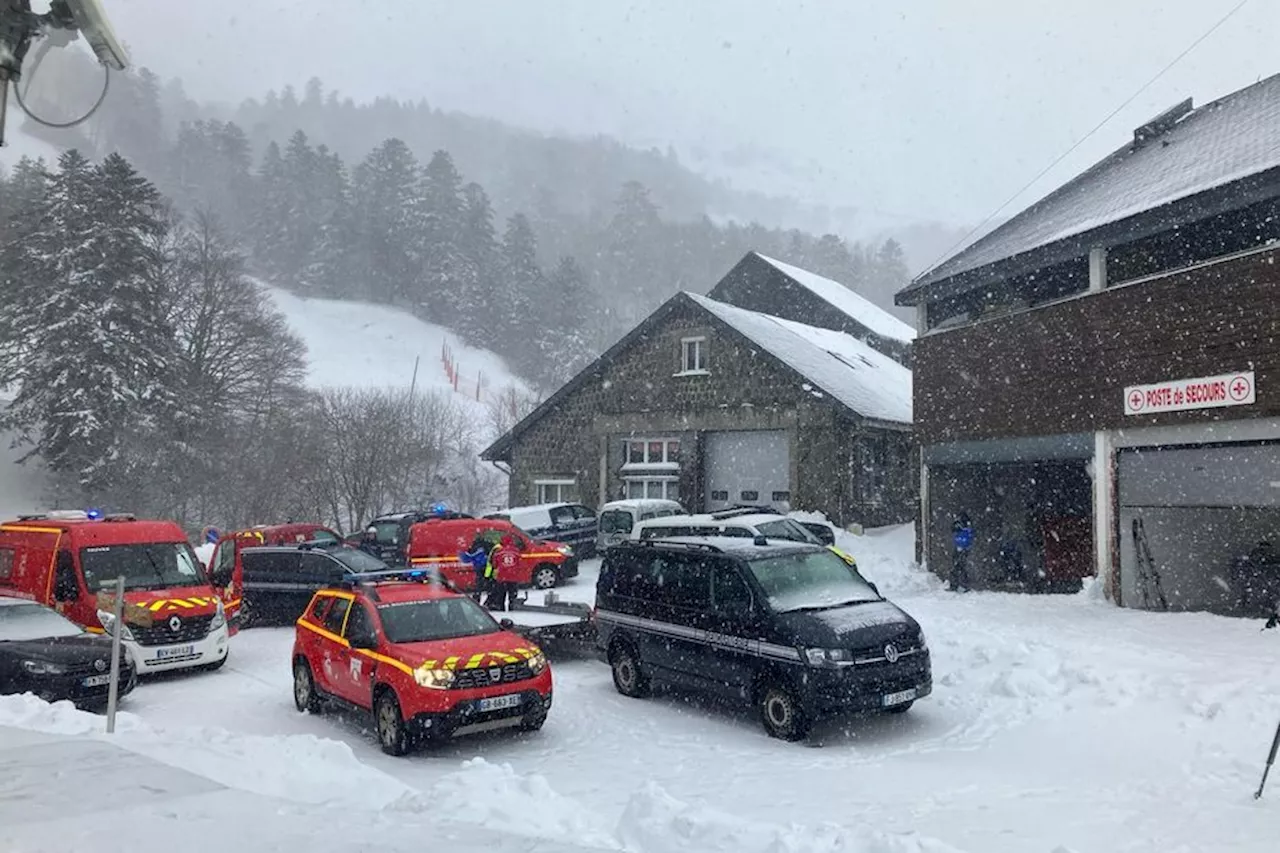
x=1057, y=724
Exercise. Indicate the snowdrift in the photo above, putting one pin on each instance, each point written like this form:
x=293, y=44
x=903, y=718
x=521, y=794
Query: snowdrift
x=295, y=775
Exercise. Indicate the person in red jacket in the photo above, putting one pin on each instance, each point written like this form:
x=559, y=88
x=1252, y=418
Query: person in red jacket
x=505, y=559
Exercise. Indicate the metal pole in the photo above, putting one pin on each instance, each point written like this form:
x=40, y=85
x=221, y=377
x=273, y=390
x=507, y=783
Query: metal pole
x=1271, y=759
x=117, y=629
x=413, y=383
x=4, y=102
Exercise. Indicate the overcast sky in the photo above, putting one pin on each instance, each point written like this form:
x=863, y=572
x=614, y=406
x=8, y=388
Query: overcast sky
x=927, y=109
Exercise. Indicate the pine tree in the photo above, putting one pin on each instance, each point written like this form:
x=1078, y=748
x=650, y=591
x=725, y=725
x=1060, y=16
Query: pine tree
x=634, y=251
x=522, y=287
x=478, y=296
x=330, y=270
x=445, y=267
x=562, y=335
x=94, y=375
x=21, y=197
x=302, y=225
x=388, y=214
x=270, y=223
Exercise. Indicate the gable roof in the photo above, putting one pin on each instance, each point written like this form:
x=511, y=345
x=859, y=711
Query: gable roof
x=848, y=371
x=843, y=299
x=1222, y=142
x=864, y=380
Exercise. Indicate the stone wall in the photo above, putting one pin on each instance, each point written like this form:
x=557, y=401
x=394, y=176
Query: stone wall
x=640, y=394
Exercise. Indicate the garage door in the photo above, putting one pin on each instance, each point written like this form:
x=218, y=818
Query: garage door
x=747, y=468
x=1189, y=519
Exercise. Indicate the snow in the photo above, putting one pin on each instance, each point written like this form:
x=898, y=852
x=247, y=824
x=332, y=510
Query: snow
x=21, y=486
x=363, y=345
x=1057, y=723
x=868, y=382
x=847, y=301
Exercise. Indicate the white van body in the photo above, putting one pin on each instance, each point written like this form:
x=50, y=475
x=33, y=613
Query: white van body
x=618, y=519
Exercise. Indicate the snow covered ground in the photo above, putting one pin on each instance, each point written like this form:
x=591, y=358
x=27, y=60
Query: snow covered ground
x=1058, y=725
x=362, y=345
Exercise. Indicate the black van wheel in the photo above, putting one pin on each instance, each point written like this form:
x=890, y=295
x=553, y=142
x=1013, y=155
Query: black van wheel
x=782, y=714
x=628, y=677
x=246, y=615
x=393, y=735
x=545, y=576
x=305, y=696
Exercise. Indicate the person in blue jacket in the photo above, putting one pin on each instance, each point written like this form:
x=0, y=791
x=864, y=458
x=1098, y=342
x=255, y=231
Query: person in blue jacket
x=477, y=556
x=962, y=539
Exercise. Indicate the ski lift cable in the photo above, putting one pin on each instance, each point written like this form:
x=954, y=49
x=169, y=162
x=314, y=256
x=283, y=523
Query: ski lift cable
x=17, y=94
x=1065, y=154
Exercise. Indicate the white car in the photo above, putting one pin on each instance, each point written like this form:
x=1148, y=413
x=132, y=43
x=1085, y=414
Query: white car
x=619, y=518
x=745, y=526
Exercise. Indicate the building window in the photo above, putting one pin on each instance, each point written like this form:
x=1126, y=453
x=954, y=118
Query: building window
x=666, y=488
x=875, y=465
x=554, y=491
x=693, y=355
x=661, y=453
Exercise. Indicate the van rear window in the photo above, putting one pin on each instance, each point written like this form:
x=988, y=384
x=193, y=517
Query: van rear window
x=615, y=521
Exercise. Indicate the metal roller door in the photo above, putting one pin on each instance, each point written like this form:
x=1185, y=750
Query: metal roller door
x=750, y=467
x=1187, y=517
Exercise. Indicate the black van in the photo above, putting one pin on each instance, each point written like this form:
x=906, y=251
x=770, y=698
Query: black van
x=280, y=581
x=790, y=627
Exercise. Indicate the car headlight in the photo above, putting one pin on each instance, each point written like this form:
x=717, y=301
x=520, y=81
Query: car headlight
x=108, y=623
x=828, y=657
x=565, y=549
x=219, y=618
x=43, y=667
x=537, y=662
x=924, y=645
x=436, y=679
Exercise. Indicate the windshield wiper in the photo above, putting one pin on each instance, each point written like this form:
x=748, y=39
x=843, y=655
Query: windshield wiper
x=806, y=608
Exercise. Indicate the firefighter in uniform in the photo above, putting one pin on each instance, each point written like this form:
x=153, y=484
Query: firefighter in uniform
x=503, y=570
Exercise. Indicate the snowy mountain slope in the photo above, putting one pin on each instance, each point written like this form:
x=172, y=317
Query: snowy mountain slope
x=358, y=344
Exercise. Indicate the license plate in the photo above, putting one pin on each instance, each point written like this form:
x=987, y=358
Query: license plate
x=495, y=703
x=899, y=697
x=175, y=652
x=96, y=680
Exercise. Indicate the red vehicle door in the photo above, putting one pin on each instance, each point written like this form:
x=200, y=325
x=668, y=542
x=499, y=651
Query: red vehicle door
x=334, y=656
x=227, y=578
x=354, y=681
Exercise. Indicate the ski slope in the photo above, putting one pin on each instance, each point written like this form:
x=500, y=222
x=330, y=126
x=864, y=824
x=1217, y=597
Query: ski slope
x=361, y=345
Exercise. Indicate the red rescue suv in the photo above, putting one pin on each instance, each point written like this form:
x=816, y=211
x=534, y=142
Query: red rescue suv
x=428, y=662
x=437, y=544
x=70, y=561
x=226, y=571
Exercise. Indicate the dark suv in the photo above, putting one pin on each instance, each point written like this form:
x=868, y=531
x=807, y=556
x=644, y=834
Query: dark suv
x=790, y=627
x=279, y=581
x=391, y=532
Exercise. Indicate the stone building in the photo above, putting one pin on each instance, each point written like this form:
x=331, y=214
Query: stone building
x=715, y=405
x=1097, y=381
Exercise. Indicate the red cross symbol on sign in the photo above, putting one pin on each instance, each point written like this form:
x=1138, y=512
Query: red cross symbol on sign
x=1239, y=388
x=1135, y=400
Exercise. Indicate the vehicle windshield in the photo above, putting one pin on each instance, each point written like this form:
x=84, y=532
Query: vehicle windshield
x=156, y=565
x=25, y=622
x=387, y=532
x=810, y=580
x=615, y=521
x=357, y=560
x=785, y=528
x=443, y=619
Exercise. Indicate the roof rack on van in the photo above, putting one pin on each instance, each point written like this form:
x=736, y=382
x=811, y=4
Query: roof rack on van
x=734, y=512
x=56, y=515
x=692, y=546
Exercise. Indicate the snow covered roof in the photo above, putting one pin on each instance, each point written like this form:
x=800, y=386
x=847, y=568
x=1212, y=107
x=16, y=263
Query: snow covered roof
x=1217, y=144
x=863, y=379
x=845, y=300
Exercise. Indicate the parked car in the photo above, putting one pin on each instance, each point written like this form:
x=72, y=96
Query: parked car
x=618, y=518
x=570, y=523
x=428, y=663
x=821, y=530
x=391, y=532
x=437, y=544
x=224, y=565
x=45, y=653
x=786, y=626
x=278, y=582
x=742, y=525
x=173, y=617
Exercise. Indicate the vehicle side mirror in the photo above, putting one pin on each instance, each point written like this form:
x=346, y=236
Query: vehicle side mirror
x=506, y=624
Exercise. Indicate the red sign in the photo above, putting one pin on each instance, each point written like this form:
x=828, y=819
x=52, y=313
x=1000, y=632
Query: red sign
x=1205, y=392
